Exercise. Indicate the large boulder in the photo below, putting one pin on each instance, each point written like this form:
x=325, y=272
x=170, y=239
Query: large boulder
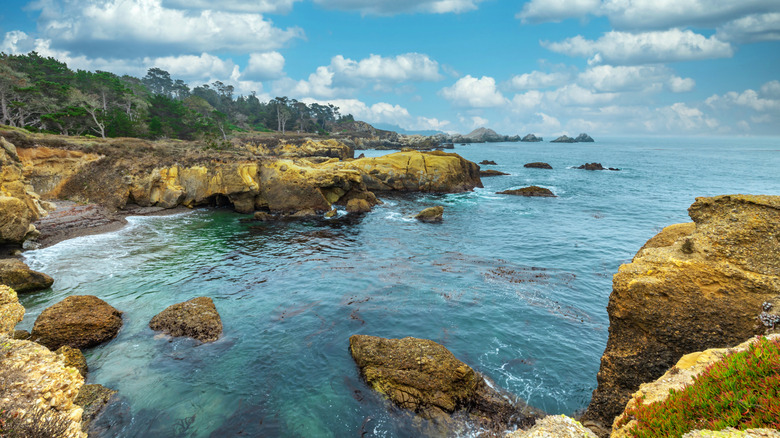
x=20, y=277
x=529, y=191
x=537, y=165
x=197, y=318
x=78, y=321
x=426, y=378
x=414, y=171
x=11, y=311
x=705, y=289
x=431, y=214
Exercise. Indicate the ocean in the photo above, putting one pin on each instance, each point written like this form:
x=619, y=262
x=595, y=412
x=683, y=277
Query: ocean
x=515, y=287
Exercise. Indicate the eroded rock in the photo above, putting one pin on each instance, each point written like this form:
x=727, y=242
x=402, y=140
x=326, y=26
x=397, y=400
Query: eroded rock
x=537, y=165
x=554, y=426
x=16, y=274
x=73, y=357
x=431, y=214
x=79, y=321
x=93, y=398
x=197, y=318
x=11, y=311
x=491, y=172
x=529, y=191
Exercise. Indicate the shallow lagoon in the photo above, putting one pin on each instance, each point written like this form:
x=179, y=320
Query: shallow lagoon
x=515, y=287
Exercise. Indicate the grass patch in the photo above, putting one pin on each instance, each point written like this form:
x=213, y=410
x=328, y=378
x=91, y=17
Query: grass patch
x=741, y=391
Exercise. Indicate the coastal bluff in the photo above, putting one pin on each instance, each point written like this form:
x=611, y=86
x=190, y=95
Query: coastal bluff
x=690, y=288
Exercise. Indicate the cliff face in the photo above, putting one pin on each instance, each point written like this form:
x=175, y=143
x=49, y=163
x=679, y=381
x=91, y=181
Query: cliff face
x=19, y=205
x=690, y=288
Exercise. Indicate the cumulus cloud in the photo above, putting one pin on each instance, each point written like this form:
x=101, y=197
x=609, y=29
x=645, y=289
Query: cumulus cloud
x=393, y=7
x=679, y=117
x=753, y=28
x=537, y=11
x=469, y=91
x=623, y=48
x=406, y=67
x=537, y=79
x=768, y=100
x=381, y=112
x=268, y=65
x=94, y=27
x=607, y=78
x=256, y=6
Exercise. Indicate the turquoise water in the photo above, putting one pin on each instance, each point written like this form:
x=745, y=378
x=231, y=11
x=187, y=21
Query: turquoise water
x=516, y=287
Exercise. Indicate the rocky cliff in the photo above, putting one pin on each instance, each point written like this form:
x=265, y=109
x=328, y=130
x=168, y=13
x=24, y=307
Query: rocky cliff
x=690, y=288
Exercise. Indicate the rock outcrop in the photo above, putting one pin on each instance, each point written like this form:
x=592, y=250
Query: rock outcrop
x=424, y=377
x=564, y=139
x=531, y=138
x=705, y=289
x=414, y=171
x=197, y=318
x=20, y=206
x=11, y=312
x=73, y=357
x=529, y=191
x=16, y=274
x=554, y=426
x=431, y=214
x=78, y=321
x=584, y=138
x=537, y=165
x=682, y=374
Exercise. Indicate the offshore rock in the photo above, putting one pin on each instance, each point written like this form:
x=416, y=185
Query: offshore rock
x=591, y=166
x=529, y=191
x=491, y=172
x=532, y=138
x=682, y=374
x=11, y=311
x=414, y=171
x=21, y=278
x=554, y=426
x=584, y=138
x=564, y=139
x=487, y=163
x=703, y=290
x=197, y=318
x=73, y=357
x=431, y=214
x=92, y=398
x=537, y=165
x=78, y=321
x=424, y=377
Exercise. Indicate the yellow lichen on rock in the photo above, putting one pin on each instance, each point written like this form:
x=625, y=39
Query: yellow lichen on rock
x=11, y=312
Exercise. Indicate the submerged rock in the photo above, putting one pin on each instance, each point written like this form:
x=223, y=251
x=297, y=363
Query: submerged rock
x=703, y=290
x=584, y=138
x=491, y=172
x=197, y=318
x=564, y=139
x=424, y=377
x=78, y=321
x=73, y=357
x=431, y=214
x=21, y=278
x=93, y=398
x=529, y=191
x=537, y=165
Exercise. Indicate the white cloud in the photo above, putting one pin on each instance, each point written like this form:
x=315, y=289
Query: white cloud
x=472, y=92
x=392, y=7
x=268, y=65
x=766, y=101
x=634, y=78
x=426, y=123
x=679, y=117
x=644, y=48
x=537, y=79
x=381, y=112
x=771, y=89
x=527, y=101
x=406, y=67
x=753, y=28
x=256, y=6
x=95, y=27
x=477, y=122
x=573, y=94
x=536, y=11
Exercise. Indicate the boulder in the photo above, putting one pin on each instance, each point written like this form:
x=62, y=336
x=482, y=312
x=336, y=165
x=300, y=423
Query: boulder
x=357, y=205
x=21, y=278
x=591, y=166
x=263, y=216
x=78, y=321
x=431, y=214
x=93, y=398
x=537, y=165
x=11, y=311
x=491, y=172
x=487, y=163
x=584, y=138
x=529, y=191
x=706, y=289
x=426, y=378
x=531, y=138
x=73, y=357
x=554, y=426
x=564, y=139
x=197, y=318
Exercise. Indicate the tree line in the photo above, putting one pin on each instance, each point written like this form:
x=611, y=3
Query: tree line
x=42, y=94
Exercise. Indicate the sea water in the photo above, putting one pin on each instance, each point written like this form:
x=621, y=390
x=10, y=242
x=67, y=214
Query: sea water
x=515, y=287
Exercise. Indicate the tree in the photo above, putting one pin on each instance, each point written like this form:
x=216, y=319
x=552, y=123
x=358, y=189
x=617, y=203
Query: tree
x=159, y=82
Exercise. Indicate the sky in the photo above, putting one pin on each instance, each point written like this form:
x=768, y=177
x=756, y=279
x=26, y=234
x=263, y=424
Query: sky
x=548, y=67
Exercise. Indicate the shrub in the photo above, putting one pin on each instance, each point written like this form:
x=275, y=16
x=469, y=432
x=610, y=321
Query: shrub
x=741, y=391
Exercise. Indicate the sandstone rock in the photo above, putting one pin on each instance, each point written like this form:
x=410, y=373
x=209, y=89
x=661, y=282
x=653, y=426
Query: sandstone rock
x=531, y=138
x=92, y=398
x=73, y=357
x=682, y=374
x=431, y=214
x=424, y=377
x=668, y=236
x=529, y=191
x=263, y=216
x=15, y=219
x=487, y=163
x=434, y=171
x=11, y=312
x=584, y=138
x=79, y=321
x=21, y=278
x=537, y=165
x=491, y=172
x=197, y=318
x=19, y=204
x=358, y=206
x=705, y=290
x=39, y=388
x=564, y=139
x=22, y=335
x=554, y=426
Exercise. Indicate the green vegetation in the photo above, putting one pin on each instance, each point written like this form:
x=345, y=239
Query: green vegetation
x=742, y=391
x=44, y=95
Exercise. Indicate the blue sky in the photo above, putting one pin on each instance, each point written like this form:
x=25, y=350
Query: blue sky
x=543, y=66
